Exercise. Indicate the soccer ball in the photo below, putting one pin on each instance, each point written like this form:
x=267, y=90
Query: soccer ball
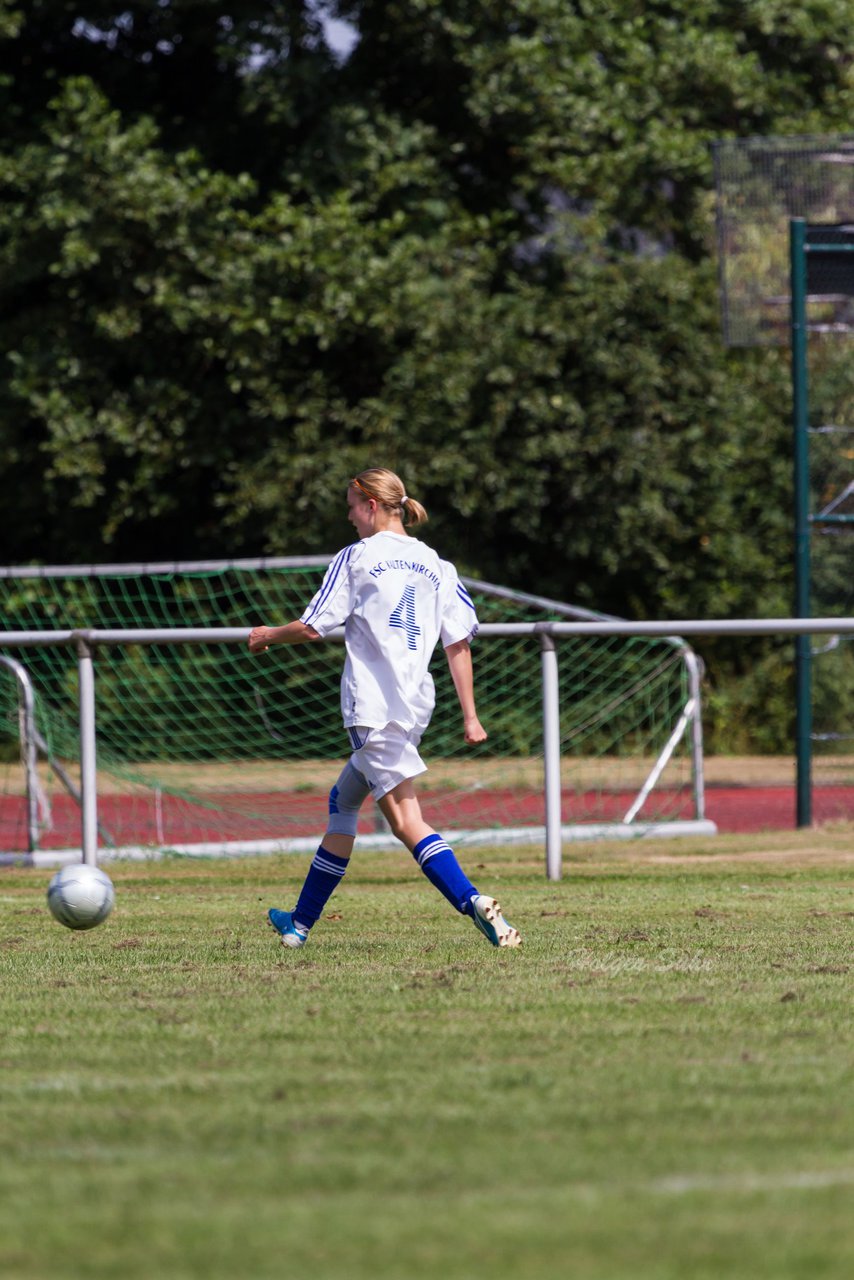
x=80, y=896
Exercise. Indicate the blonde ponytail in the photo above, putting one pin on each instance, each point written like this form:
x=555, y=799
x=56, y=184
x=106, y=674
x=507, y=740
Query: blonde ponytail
x=413, y=512
x=388, y=490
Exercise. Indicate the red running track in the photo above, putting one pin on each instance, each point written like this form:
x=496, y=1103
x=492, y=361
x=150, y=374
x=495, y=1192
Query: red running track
x=127, y=820
x=746, y=809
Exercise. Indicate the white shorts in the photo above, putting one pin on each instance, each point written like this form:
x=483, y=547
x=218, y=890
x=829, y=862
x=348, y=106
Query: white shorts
x=385, y=757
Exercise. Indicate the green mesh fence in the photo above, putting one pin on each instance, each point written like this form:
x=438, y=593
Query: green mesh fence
x=831, y=451
x=202, y=744
x=761, y=183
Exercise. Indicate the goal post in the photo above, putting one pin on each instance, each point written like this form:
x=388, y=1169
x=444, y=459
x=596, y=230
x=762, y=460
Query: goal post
x=25, y=707
x=201, y=748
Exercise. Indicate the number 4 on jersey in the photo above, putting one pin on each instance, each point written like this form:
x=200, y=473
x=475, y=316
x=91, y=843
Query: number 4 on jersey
x=404, y=617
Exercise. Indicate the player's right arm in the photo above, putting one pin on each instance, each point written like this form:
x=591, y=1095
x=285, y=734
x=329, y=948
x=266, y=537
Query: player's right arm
x=260, y=638
x=329, y=608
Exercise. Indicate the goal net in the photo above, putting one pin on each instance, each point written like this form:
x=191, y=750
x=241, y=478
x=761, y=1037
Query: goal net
x=202, y=747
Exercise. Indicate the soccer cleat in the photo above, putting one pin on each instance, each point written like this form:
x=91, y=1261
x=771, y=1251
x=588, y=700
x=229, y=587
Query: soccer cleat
x=283, y=923
x=486, y=914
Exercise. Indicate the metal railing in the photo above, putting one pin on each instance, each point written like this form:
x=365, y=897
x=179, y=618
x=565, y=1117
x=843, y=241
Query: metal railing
x=86, y=642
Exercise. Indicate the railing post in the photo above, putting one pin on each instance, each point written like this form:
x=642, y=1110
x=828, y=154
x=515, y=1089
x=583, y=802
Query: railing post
x=29, y=752
x=694, y=668
x=551, y=754
x=88, y=759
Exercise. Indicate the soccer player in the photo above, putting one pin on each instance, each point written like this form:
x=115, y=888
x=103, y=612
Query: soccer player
x=396, y=599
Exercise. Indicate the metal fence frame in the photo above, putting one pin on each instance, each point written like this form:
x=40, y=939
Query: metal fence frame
x=86, y=641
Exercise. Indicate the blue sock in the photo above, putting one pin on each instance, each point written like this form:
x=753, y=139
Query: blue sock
x=323, y=876
x=439, y=864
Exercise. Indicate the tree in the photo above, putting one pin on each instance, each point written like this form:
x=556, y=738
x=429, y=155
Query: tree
x=237, y=83
x=478, y=248
x=611, y=106
x=109, y=248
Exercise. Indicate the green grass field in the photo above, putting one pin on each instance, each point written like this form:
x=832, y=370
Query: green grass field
x=658, y=1086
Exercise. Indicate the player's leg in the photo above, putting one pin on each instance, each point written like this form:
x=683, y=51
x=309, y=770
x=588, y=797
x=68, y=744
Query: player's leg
x=439, y=863
x=329, y=863
x=435, y=857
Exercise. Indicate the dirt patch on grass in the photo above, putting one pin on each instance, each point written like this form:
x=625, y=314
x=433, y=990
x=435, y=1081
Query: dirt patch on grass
x=828, y=846
x=810, y=857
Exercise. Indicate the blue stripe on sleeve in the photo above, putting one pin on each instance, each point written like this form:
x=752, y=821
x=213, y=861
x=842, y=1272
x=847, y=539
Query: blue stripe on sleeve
x=332, y=575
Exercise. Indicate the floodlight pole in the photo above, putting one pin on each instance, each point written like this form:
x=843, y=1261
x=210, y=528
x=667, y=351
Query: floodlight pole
x=800, y=423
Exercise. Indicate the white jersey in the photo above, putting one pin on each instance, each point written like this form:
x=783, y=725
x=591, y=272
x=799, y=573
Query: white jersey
x=396, y=600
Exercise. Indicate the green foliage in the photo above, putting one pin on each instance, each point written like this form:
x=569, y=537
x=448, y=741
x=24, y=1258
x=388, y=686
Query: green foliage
x=749, y=702
x=111, y=253
x=613, y=105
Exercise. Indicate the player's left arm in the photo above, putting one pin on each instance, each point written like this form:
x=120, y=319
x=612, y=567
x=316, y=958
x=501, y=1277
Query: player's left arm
x=462, y=674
